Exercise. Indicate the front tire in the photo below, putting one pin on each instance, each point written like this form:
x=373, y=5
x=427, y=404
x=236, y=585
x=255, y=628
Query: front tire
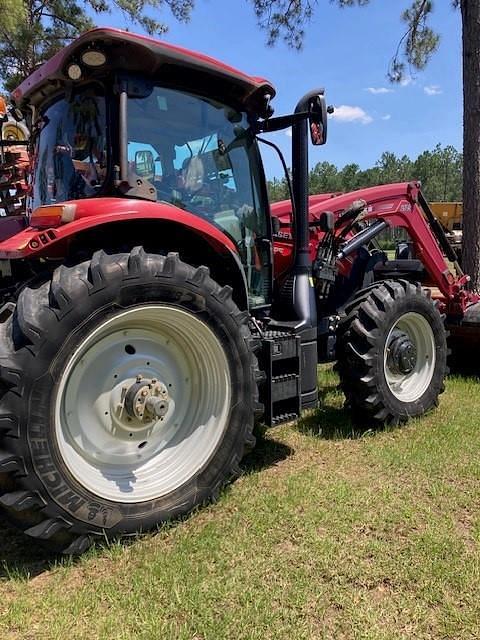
x=391, y=353
x=129, y=394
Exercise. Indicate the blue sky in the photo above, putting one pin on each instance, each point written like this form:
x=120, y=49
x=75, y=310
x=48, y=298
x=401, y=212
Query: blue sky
x=346, y=51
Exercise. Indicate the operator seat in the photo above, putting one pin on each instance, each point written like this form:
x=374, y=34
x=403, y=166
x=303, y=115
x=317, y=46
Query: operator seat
x=193, y=174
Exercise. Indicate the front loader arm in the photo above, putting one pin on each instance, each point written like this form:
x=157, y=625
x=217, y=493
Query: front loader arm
x=404, y=206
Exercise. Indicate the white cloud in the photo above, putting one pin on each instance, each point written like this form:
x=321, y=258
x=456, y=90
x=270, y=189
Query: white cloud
x=378, y=90
x=288, y=132
x=432, y=90
x=405, y=81
x=387, y=116
x=346, y=113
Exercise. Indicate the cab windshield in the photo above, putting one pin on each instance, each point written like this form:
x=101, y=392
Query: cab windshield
x=69, y=158
x=196, y=153
x=200, y=156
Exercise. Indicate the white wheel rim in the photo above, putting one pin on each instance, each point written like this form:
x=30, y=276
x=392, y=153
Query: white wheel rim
x=409, y=387
x=126, y=459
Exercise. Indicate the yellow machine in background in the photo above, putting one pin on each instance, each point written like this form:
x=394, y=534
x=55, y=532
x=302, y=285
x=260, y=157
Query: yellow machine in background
x=449, y=214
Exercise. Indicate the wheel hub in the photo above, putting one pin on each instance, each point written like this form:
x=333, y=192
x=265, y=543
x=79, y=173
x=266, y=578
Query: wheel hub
x=402, y=353
x=146, y=399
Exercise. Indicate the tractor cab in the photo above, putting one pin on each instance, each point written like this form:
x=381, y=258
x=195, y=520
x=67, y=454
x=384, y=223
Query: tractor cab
x=137, y=142
x=127, y=116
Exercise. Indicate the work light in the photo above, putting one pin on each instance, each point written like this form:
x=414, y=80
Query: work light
x=74, y=71
x=94, y=58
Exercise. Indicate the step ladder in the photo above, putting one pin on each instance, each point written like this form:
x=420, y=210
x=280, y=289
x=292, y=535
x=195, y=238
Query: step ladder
x=280, y=359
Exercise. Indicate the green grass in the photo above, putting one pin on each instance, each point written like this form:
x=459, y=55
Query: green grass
x=331, y=533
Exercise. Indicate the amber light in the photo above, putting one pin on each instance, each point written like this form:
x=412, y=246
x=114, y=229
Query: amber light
x=52, y=215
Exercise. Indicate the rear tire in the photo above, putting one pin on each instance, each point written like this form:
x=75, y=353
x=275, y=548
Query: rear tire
x=81, y=357
x=391, y=353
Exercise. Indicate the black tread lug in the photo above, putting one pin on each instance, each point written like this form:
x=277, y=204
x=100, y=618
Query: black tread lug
x=13, y=377
x=200, y=275
x=10, y=463
x=47, y=528
x=225, y=293
x=22, y=500
x=59, y=296
x=136, y=261
x=241, y=317
x=255, y=344
x=96, y=275
x=235, y=469
x=78, y=546
x=250, y=442
x=9, y=425
x=260, y=376
x=26, y=313
x=171, y=263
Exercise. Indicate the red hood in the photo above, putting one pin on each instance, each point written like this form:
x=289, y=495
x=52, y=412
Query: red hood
x=283, y=209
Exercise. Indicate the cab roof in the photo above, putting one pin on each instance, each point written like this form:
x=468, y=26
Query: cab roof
x=134, y=53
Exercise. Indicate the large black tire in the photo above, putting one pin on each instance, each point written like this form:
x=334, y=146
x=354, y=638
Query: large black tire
x=384, y=380
x=37, y=340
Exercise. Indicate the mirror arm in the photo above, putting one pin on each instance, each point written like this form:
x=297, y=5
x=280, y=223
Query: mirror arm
x=280, y=122
x=287, y=175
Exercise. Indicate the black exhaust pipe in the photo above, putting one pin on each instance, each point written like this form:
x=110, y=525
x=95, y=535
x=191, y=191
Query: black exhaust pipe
x=304, y=304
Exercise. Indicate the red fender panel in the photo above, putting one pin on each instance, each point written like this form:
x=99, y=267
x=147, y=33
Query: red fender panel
x=92, y=212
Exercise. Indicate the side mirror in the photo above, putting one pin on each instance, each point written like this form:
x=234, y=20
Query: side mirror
x=144, y=164
x=326, y=222
x=318, y=119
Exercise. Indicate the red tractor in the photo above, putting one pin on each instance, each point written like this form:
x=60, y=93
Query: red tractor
x=145, y=325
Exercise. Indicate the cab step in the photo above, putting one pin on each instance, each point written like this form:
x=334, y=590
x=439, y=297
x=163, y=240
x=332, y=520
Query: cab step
x=280, y=359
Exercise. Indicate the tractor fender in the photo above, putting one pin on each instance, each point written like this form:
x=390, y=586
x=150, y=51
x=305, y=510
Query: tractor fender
x=101, y=219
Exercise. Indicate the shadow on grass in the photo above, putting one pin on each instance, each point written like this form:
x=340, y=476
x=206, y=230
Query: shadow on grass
x=21, y=557
x=466, y=367
x=332, y=422
x=267, y=452
x=464, y=359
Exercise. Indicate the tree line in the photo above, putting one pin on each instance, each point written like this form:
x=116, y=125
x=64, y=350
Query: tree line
x=439, y=170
